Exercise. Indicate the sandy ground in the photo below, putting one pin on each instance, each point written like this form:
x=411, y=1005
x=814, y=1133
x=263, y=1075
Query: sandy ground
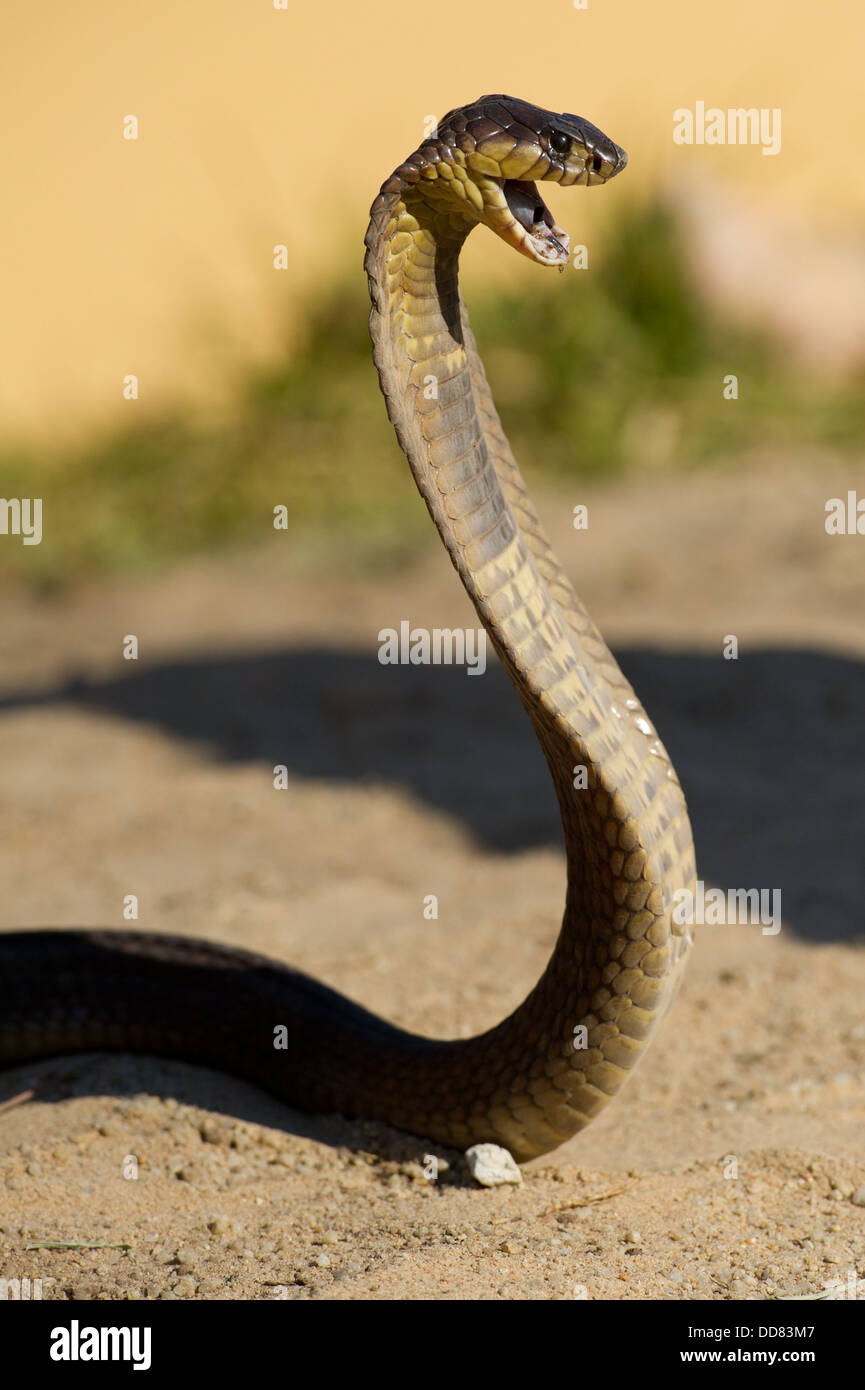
x=731, y=1167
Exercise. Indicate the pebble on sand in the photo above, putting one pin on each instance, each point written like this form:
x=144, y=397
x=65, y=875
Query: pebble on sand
x=492, y=1166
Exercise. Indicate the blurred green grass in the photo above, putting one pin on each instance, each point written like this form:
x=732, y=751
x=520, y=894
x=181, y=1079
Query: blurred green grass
x=622, y=367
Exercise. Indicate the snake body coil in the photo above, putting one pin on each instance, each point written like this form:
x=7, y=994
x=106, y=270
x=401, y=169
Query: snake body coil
x=544, y=1072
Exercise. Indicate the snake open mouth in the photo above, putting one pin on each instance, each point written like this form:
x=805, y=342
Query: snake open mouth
x=529, y=209
x=526, y=204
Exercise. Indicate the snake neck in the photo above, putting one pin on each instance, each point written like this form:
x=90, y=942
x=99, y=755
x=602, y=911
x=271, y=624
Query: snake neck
x=627, y=836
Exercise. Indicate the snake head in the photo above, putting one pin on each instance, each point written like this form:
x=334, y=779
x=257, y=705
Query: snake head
x=505, y=146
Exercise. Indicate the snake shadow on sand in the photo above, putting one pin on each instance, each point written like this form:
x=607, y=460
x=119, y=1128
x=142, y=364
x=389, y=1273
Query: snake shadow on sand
x=768, y=749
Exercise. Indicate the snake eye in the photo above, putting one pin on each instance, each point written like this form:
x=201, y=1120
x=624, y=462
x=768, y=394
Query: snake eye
x=560, y=142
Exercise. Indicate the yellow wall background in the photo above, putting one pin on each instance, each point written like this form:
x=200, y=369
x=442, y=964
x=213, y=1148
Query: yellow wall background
x=260, y=126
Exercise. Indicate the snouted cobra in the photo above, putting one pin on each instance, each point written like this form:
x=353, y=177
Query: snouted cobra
x=547, y=1070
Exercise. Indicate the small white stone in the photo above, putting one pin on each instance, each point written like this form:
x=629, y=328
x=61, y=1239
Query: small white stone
x=492, y=1166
